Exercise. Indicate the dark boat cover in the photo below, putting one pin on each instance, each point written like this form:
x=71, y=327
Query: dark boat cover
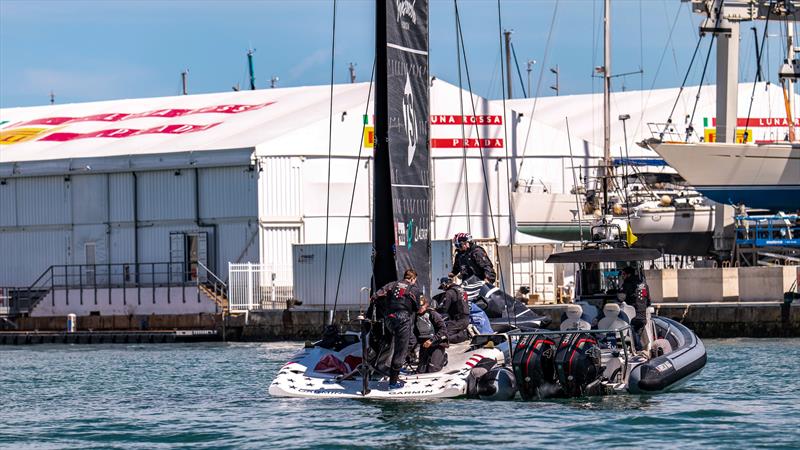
x=596, y=255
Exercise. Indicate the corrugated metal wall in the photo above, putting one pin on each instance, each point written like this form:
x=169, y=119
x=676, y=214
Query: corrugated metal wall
x=43, y=201
x=309, y=270
x=166, y=195
x=50, y=220
x=276, y=248
x=24, y=255
x=309, y=264
x=8, y=203
x=280, y=189
x=228, y=192
x=120, y=196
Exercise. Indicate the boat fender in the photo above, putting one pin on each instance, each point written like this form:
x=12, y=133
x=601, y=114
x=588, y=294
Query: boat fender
x=498, y=384
x=480, y=369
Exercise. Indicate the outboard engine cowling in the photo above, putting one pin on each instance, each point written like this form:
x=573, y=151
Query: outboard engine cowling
x=578, y=365
x=534, y=367
x=498, y=384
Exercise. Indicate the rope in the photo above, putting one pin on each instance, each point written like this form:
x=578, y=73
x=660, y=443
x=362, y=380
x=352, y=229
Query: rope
x=463, y=129
x=683, y=84
x=755, y=80
x=690, y=128
x=539, y=84
x=511, y=227
x=328, y=186
x=353, y=194
x=477, y=132
x=519, y=73
x=574, y=182
x=658, y=69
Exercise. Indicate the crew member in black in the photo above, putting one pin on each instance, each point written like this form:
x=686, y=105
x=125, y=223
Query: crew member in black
x=637, y=296
x=403, y=302
x=454, y=308
x=431, y=334
x=471, y=260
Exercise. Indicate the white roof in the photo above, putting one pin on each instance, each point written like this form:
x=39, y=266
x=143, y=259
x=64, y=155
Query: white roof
x=585, y=113
x=190, y=123
x=227, y=128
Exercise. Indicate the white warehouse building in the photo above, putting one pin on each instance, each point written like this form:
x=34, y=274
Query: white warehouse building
x=105, y=197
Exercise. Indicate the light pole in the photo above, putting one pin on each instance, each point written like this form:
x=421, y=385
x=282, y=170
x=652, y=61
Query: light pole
x=531, y=63
x=556, y=87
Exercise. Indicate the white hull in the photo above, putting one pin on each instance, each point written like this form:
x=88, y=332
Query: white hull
x=672, y=220
x=759, y=176
x=297, y=378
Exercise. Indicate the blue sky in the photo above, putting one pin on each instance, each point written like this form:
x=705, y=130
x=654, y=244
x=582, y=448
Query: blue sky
x=106, y=49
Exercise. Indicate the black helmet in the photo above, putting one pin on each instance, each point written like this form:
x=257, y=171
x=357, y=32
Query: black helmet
x=444, y=282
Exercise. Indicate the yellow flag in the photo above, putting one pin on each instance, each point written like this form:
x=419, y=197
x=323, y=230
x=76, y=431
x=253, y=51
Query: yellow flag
x=630, y=237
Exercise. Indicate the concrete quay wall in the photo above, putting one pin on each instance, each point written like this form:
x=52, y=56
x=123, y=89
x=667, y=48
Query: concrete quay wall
x=119, y=322
x=727, y=284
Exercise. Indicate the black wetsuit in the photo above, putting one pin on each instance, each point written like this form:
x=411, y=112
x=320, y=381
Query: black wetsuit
x=634, y=298
x=401, y=308
x=433, y=358
x=474, y=261
x=454, y=307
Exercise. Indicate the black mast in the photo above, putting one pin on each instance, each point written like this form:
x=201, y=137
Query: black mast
x=402, y=157
x=383, y=226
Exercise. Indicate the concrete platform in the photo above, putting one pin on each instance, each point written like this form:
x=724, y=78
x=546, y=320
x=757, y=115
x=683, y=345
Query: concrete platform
x=107, y=337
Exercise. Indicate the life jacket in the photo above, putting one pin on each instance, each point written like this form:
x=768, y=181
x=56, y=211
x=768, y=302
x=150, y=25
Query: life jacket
x=425, y=329
x=460, y=308
x=400, y=299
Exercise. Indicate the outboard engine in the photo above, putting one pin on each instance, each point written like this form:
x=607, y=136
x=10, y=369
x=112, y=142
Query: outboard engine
x=578, y=366
x=534, y=367
x=497, y=384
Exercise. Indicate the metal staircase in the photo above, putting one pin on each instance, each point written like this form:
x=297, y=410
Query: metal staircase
x=214, y=288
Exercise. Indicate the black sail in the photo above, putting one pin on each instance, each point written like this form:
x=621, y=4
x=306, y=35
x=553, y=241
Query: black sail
x=402, y=156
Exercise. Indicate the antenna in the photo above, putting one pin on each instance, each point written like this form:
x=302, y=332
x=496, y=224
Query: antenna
x=273, y=82
x=352, y=68
x=250, y=68
x=184, y=81
x=507, y=34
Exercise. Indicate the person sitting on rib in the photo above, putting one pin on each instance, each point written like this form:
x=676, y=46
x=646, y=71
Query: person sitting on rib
x=454, y=308
x=432, y=337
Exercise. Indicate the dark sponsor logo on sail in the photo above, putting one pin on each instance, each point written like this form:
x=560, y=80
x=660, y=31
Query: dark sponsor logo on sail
x=410, y=119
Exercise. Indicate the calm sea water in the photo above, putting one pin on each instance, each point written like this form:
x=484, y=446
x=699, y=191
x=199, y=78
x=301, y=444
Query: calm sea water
x=215, y=396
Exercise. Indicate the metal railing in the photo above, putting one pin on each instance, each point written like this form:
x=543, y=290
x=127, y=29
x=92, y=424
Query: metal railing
x=83, y=282
x=258, y=286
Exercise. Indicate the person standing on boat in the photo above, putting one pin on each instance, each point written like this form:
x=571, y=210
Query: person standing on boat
x=403, y=302
x=636, y=295
x=471, y=260
x=454, y=307
x=431, y=334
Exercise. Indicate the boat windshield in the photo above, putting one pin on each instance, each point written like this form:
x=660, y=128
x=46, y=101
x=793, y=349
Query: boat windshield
x=601, y=280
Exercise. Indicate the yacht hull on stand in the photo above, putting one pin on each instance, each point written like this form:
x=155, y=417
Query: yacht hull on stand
x=760, y=176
